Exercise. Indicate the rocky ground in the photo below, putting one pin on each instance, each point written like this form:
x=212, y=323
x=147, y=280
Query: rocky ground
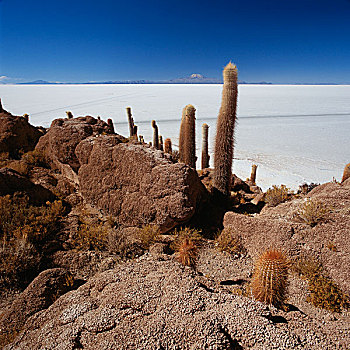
x=120, y=292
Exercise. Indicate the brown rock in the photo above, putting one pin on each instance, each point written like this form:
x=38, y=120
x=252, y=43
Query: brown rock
x=64, y=135
x=39, y=295
x=16, y=134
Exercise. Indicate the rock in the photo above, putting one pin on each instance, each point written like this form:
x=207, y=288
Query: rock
x=11, y=182
x=39, y=295
x=17, y=135
x=239, y=185
x=137, y=184
x=64, y=135
x=158, y=304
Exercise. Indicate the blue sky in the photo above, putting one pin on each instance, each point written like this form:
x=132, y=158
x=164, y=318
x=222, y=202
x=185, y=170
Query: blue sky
x=77, y=41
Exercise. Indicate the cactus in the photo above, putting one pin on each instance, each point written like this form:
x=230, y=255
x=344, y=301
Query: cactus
x=161, y=143
x=26, y=117
x=253, y=174
x=224, y=141
x=1, y=109
x=135, y=132
x=188, y=252
x=155, y=135
x=150, y=144
x=346, y=173
x=269, y=281
x=167, y=146
x=110, y=124
x=131, y=121
x=69, y=114
x=205, y=154
x=187, y=138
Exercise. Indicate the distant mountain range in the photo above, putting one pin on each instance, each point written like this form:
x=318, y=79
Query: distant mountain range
x=192, y=79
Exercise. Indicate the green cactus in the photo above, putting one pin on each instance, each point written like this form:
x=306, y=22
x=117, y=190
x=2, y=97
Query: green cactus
x=224, y=141
x=167, y=146
x=346, y=173
x=269, y=281
x=205, y=153
x=187, y=139
x=155, y=134
x=253, y=174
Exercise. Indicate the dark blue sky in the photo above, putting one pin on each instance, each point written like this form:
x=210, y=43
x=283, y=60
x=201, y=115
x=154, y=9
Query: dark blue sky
x=277, y=41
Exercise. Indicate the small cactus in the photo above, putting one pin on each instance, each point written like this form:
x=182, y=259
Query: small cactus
x=167, y=146
x=187, y=142
x=161, y=143
x=135, y=132
x=110, y=124
x=253, y=174
x=269, y=281
x=26, y=117
x=346, y=173
x=69, y=114
x=188, y=252
x=155, y=134
x=224, y=142
x=131, y=121
x=205, y=153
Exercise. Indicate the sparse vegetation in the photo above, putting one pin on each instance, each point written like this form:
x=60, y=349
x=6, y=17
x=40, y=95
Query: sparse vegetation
x=185, y=232
x=312, y=212
x=324, y=292
x=91, y=236
x=277, y=195
x=269, y=281
x=228, y=241
x=148, y=235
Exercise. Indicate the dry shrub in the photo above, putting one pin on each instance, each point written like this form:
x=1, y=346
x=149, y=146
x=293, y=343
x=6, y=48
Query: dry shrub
x=183, y=233
x=91, y=236
x=269, y=281
x=228, y=241
x=121, y=244
x=277, y=195
x=35, y=158
x=324, y=293
x=187, y=253
x=312, y=212
x=148, y=235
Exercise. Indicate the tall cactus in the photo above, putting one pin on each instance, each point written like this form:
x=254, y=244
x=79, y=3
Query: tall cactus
x=270, y=276
x=167, y=146
x=187, y=139
x=155, y=134
x=161, y=143
x=224, y=141
x=205, y=153
x=253, y=174
x=131, y=121
x=346, y=173
x=1, y=109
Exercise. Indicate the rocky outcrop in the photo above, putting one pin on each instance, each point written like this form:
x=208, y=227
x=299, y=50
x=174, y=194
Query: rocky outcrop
x=137, y=184
x=64, y=135
x=39, y=295
x=17, y=135
x=11, y=181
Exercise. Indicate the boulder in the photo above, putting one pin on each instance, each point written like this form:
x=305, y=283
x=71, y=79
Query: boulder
x=11, y=181
x=137, y=184
x=16, y=134
x=64, y=135
x=39, y=295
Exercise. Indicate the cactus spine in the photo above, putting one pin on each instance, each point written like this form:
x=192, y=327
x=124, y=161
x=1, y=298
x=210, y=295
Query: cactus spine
x=167, y=146
x=253, y=174
x=224, y=141
x=269, y=281
x=161, y=143
x=155, y=135
x=346, y=173
x=187, y=138
x=205, y=153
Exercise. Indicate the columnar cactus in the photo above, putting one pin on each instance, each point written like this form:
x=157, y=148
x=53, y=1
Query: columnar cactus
x=187, y=139
x=346, y=173
x=26, y=117
x=270, y=276
x=135, y=132
x=161, y=143
x=253, y=174
x=69, y=114
x=131, y=121
x=167, y=146
x=1, y=109
x=205, y=152
x=155, y=135
x=224, y=141
x=110, y=124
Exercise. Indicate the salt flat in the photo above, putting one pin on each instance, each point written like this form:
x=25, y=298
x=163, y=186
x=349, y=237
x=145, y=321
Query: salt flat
x=295, y=133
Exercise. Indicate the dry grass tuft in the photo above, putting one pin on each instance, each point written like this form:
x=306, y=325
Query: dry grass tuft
x=277, y=195
x=312, y=212
x=148, y=235
x=228, y=241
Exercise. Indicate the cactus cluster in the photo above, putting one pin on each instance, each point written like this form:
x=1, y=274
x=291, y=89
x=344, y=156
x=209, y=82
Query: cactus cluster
x=224, y=142
x=269, y=281
x=187, y=137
